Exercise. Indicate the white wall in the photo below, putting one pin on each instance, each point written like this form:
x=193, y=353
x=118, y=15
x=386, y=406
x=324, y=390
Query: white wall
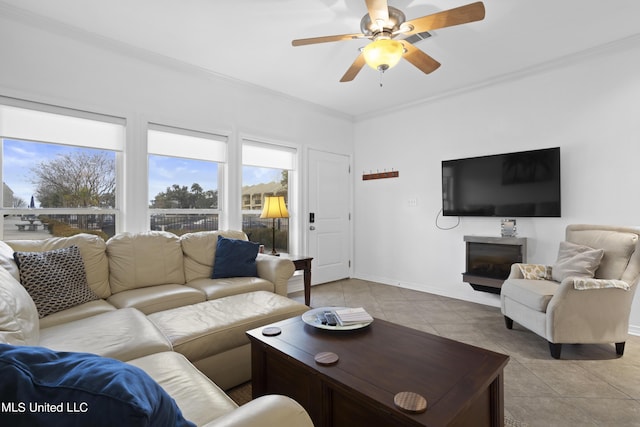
x=54, y=64
x=588, y=106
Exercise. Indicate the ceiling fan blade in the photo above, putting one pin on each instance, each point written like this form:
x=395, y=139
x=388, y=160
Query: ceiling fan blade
x=448, y=18
x=378, y=10
x=353, y=71
x=418, y=58
x=326, y=39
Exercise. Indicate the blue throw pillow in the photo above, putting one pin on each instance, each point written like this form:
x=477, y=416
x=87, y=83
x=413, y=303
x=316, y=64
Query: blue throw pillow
x=42, y=387
x=235, y=258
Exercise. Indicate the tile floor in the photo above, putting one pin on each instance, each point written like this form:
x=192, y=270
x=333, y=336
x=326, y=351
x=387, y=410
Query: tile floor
x=589, y=386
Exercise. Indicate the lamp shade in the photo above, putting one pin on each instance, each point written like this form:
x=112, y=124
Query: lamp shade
x=274, y=207
x=383, y=54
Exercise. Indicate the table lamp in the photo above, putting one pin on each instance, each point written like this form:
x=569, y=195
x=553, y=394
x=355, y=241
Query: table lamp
x=274, y=207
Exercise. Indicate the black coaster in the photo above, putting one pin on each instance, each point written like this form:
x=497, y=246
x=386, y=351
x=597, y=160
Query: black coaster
x=271, y=331
x=326, y=358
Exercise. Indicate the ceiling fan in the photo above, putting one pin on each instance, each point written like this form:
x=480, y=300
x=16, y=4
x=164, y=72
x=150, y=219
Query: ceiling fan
x=384, y=23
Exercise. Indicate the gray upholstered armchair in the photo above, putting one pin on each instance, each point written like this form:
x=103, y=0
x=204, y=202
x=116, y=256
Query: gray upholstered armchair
x=563, y=304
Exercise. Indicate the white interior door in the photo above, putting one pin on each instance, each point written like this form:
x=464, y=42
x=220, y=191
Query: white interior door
x=328, y=223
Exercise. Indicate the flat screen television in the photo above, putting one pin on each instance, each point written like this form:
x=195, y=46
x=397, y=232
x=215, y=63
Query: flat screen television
x=521, y=184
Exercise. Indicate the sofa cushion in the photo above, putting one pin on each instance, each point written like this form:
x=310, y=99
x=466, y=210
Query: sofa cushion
x=138, y=260
x=19, y=323
x=199, y=251
x=55, y=279
x=534, y=294
x=92, y=249
x=197, y=396
x=120, y=334
x=87, y=389
x=157, y=298
x=81, y=311
x=211, y=327
x=576, y=260
x=220, y=288
x=235, y=258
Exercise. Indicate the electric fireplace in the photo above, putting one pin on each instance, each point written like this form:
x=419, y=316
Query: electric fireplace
x=489, y=260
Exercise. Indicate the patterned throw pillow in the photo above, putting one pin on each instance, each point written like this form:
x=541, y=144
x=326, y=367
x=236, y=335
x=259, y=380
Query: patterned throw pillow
x=55, y=279
x=535, y=271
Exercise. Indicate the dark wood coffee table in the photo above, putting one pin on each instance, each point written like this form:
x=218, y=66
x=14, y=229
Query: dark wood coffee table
x=463, y=385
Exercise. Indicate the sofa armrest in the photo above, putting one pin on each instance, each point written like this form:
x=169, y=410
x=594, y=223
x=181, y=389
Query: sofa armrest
x=268, y=411
x=276, y=270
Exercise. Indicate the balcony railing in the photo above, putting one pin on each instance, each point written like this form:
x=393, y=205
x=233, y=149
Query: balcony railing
x=184, y=223
x=259, y=230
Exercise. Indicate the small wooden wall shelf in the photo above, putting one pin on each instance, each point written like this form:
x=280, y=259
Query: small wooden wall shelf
x=380, y=175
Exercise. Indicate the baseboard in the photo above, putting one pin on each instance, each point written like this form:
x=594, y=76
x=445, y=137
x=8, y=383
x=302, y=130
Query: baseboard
x=296, y=282
x=463, y=292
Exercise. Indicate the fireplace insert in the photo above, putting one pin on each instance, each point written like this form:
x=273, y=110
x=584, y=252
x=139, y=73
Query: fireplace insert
x=489, y=260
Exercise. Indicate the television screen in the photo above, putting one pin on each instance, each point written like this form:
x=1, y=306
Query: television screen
x=522, y=184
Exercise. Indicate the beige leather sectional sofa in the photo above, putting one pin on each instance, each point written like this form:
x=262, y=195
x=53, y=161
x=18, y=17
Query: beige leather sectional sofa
x=158, y=308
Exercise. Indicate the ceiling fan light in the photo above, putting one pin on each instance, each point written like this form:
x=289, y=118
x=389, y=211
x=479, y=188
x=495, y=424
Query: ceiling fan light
x=383, y=54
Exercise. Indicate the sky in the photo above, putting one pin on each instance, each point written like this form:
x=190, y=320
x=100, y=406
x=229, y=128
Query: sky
x=20, y=157
x=165, y=171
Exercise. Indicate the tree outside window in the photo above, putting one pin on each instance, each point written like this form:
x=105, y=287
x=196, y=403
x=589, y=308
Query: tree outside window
x=67, y=178
x=59, y=170
x=184, y=169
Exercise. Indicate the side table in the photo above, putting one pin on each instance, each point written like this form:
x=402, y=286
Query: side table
x=303, y=262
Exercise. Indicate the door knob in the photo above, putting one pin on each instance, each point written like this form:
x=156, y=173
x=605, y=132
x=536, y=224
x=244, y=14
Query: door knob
x=312, y=227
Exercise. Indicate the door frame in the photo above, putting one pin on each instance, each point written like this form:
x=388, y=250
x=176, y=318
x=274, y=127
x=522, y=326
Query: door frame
x=304, y=220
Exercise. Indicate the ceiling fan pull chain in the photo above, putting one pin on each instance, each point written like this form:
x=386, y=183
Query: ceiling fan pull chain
x=381, y=74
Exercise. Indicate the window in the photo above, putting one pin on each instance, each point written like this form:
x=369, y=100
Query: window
x=184, y=179
x=59, y=171
x=266, y=171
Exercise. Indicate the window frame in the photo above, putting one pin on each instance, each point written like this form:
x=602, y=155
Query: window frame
x=292, y=197
x=219, y=139
x=18, y=108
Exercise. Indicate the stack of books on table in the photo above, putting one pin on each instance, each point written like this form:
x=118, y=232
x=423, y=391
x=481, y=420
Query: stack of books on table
x=352, y=316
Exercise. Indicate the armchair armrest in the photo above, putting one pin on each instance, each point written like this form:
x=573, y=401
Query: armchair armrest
x=276, y=270
x=515, y=272
x=268, y=411
x=586, y=317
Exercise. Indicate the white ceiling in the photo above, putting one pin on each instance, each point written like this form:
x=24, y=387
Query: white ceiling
x=250, y=41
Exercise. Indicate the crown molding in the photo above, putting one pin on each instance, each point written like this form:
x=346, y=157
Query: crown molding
x=632, y=41
x=80, y=35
